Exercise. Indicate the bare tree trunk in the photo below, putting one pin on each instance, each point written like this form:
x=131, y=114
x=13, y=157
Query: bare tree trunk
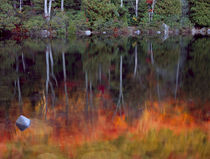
x=50, y=6
x=47, y=9
x=136, y=9
x=21, y=1
x=121, y=5
x=62, y=5
x=153, y=7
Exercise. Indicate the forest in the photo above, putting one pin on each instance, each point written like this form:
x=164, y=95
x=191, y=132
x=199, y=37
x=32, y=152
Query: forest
x=61, y=17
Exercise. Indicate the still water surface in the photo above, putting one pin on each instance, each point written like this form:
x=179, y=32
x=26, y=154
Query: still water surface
x=98, y=98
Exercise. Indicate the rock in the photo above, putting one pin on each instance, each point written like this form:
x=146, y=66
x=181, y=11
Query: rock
x=44, y=33
x=208, y=31
x=104, y=32
x=176, y=31
x=88, y=32
x=203, y=31
x=137, y=32
x=23, y=122
x=158, y=32
x=193, y=31
x=165, y=28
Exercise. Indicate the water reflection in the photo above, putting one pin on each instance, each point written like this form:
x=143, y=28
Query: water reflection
x=104, y=93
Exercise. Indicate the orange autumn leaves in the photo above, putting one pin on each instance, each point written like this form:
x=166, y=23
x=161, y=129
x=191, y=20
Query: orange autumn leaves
x=74, y=127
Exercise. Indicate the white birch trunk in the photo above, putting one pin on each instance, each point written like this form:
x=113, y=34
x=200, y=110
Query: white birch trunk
x=121, y=5
x=47, y=9
x=62, y=4
x=137, y=5
x=153, y=7
x=21, y=1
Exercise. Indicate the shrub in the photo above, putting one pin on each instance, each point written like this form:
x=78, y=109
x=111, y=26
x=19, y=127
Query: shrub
x=59, y=22
x=100, y=12
x=35, y=23
x=7, y=16
x=200, y=12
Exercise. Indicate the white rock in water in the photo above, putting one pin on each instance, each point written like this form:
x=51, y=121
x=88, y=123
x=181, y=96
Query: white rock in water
x=23, y=122
x=104, y=32
x=158, y=32
x=208, y=31
x=137, y=32
x=166, y=28
x=88, y=32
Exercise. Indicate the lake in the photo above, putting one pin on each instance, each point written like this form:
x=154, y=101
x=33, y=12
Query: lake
x=106, y=97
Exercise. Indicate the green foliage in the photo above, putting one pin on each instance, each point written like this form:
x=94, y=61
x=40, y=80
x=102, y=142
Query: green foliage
x=186, y=23
x=168, y=8
x=35, y=23
x=77, y=21
x=168, y=11
x=7, y=16
x=200, y=12
x=102, y=13
x=143, y=8
x=59, y=22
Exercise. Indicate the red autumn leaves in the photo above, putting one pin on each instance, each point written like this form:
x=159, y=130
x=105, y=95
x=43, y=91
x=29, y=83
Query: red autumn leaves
x=149, y=1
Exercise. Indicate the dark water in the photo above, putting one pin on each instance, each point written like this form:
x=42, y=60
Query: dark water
x=102, y=97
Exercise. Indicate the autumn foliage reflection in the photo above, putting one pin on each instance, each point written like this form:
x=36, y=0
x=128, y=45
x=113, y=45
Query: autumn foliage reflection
x=65, y=132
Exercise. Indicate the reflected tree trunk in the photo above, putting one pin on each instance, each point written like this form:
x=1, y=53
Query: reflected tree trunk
x=24, y=66
x=91, y=95
x=136, y=62
x=177, y=79
x=47, y=82
x=18, y=85
x=120, y=102
x=99, y=73
x=151, y=53
x=52, y=65
x=65, y=86
x=109, y=78
x=86, y=87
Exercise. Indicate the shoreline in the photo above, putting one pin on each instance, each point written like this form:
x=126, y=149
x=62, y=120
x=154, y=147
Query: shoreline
x=118, y=32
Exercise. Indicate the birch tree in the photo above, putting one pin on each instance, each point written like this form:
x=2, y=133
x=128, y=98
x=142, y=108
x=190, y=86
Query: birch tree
x=152, y=10
x=137, y=6
x=121, y=5
x=21, y=2
x=47, y=9
x=62, y=5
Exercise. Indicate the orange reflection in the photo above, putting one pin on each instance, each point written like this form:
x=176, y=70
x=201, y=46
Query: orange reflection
x=69, y=126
